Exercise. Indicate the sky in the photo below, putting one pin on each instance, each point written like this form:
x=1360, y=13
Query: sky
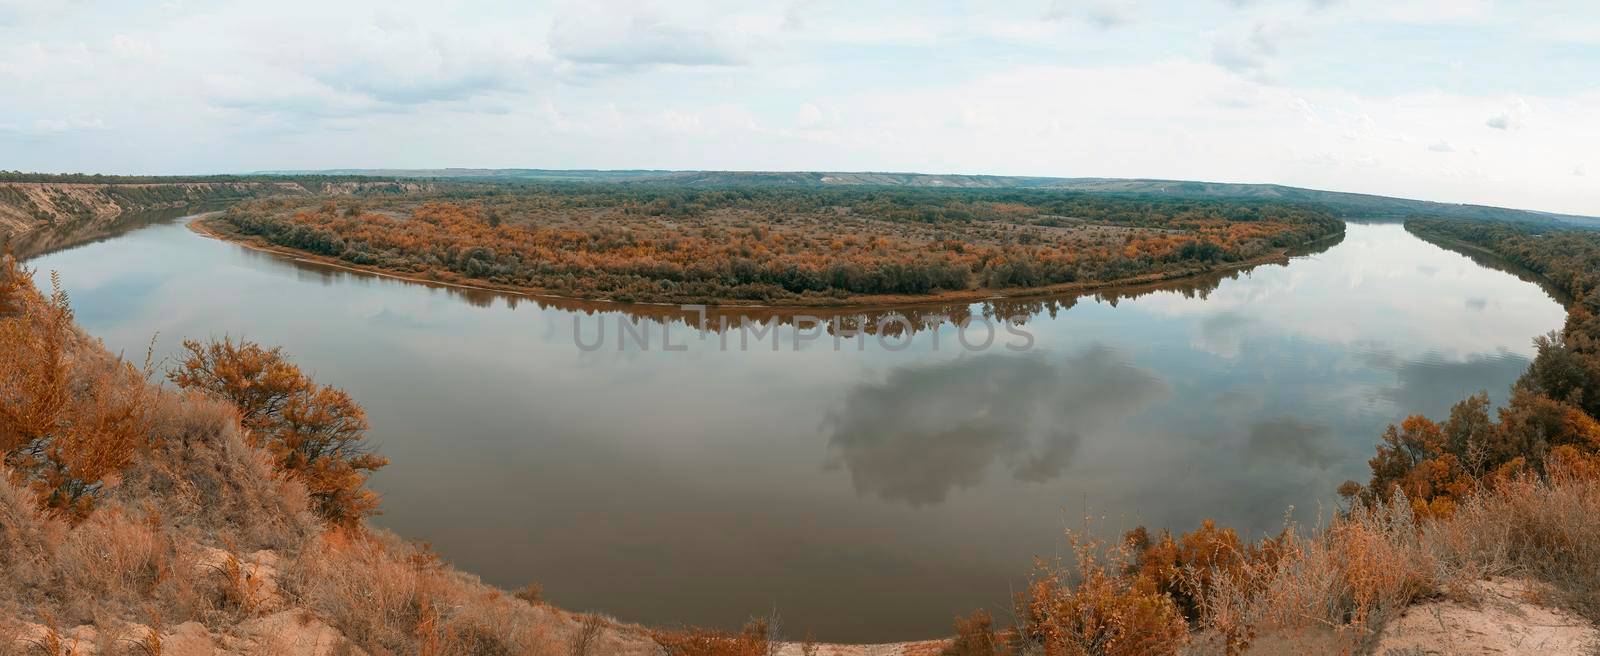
x=1473, y=101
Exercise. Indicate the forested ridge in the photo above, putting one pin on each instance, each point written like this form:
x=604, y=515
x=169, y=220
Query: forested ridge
x=678, y=244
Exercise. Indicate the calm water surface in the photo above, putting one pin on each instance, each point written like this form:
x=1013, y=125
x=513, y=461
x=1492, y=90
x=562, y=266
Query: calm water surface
x=866, y=495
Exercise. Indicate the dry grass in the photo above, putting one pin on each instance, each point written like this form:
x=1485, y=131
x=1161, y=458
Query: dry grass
x=136, y=553
x=1541, y=529
x=1332, y=589
x=208, y=482
x=1345, y=582
x=755, y=639
x=391, y=596
x=583, y=640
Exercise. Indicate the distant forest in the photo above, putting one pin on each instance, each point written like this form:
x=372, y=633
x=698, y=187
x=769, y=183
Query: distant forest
x=670, y=243
x=1341, y=204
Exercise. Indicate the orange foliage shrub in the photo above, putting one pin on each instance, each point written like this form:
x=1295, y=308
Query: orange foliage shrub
x=1414, y=459
x=12, y=284
x=68, y=420
x=1101, y=614
x=1189, y=567
x=317, y=433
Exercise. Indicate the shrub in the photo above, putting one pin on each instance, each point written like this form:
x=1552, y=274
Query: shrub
x=69, y=416
x=1102, y=614
x=317, y=433
x=975, y=636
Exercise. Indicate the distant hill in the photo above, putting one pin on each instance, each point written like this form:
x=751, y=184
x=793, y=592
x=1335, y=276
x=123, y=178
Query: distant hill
x=576, y=175
x=1347, y=205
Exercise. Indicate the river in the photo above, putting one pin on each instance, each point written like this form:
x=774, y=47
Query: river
x=862, y=490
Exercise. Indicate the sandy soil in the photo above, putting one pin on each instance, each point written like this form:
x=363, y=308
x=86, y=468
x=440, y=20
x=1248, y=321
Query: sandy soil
x=1508, y=616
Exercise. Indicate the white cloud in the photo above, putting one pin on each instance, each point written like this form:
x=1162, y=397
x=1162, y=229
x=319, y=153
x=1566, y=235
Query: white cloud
x=812, y=116
x=400, y=62
x=1442, y=147
x=286, y=94
x=1512, y=118
x=55, y=126
x=1252, y=51
x=1105, y=14
x=124, y=45
x=1269, y=91
x=627, y=35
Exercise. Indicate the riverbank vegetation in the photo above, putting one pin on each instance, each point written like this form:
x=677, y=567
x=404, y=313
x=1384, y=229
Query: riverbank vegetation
x=1449, y=504
x=228, y=508
x=780, y=245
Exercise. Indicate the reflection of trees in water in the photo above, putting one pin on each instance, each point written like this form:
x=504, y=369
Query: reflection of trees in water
x=55, y=237
x=1432, y=382
x=1492, y=261
x=930, y=428
x=890, y=320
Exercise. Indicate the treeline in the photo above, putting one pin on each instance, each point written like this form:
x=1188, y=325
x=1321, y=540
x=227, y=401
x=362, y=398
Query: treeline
x=1550, y=418
x=655, y=243
x=924, y=204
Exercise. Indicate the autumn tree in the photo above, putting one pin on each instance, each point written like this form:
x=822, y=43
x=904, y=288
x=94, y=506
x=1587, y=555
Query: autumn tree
x=1564, y=373
x=317, y=433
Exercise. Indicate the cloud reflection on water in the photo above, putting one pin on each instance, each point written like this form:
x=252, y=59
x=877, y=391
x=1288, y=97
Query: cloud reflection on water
x=928, y=429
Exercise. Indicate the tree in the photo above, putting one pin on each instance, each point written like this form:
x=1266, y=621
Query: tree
x=1414, y=458
x=1562, y=373
x=314, y=432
